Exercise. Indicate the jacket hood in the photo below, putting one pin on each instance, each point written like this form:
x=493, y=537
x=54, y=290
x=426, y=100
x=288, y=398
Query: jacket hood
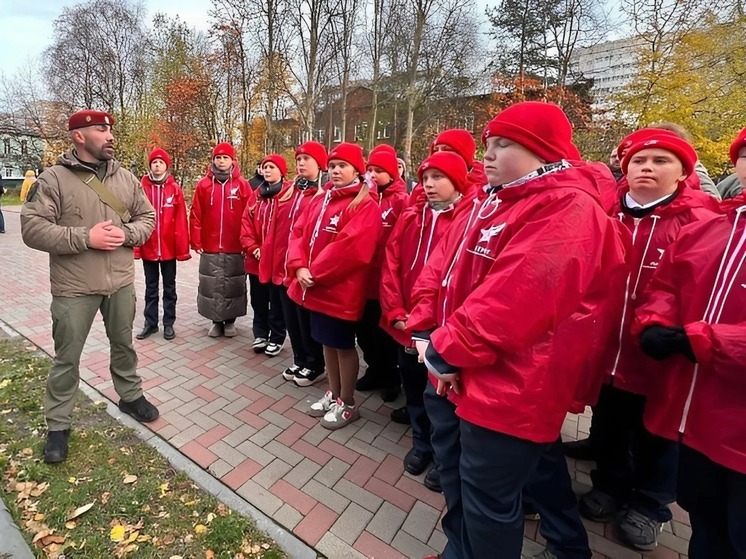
x=69, y=160
x=477, y=176
x=591, y=178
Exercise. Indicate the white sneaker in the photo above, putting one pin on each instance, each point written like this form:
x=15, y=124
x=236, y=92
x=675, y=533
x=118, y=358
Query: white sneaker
x=273, y=350
x=229, y=330
x=290, y=372
x=322, y=407
x=340, y=415
x=259, y=345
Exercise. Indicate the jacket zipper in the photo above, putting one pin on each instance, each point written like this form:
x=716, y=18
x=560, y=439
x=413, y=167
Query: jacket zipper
x=626, y=301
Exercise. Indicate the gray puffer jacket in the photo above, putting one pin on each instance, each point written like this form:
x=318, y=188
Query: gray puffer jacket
x=221, y=294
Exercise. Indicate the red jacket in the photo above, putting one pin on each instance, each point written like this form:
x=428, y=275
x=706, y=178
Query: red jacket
x=629, y=367
x=417, y=232
x=391, y=201
x=692, y=181
x=257, y=225
x=170, y=238
x=337, y=244
x=520, y=297
x=477, y=180
x=700, y=285
x=217, y=211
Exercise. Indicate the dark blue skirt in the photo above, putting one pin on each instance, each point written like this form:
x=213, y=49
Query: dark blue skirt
x=332, y=332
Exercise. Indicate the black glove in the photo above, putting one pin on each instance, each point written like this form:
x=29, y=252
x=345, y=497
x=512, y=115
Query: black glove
x=660, y=342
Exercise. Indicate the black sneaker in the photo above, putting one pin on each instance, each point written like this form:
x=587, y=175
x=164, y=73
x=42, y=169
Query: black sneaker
x=55, y=449
x=307, y=377
x=391, y=393
x=415, y=461
x=147, y=331
x=598, y=506
x=290, y=372
x=140, y=409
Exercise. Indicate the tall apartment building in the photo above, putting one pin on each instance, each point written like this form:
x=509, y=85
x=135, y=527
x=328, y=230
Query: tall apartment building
x=611, y=65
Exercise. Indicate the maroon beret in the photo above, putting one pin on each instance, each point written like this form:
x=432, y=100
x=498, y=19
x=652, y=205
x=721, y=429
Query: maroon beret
x=87, y=117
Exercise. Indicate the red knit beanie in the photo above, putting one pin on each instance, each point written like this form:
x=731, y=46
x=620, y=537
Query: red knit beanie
x=736, y=146
x=279, y=162
x=224, y=148
x=351, y=153
x=384, y=156
x=450, y=163
x=660, y=139
x=159, y=153
x=541, y=128
x=315, y=150
x=459, y=140
x=638, y=135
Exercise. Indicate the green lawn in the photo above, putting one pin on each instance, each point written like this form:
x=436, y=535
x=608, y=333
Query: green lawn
x=115, y=496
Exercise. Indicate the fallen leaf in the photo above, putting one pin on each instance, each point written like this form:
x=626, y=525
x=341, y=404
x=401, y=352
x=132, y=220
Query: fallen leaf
x=129, y=479
x=209, y=554
x=200, y=529
x=105, y=497
x=189, y=538
x=4, y=383
x=80, y=510
x=41, y=535
x=210, y=517
x=223, y=510
x=117, y=533
x=47, y=540
x=265, y=546
x=25, y=451
x=133, y=536
x=38, y=516
x=70, y=525
x=175, y=557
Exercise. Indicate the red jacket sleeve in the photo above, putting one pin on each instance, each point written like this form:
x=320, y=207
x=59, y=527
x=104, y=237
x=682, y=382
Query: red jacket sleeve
x=390, y=292
x=720, y=347
x=249, y=237
x=181, y=231
x=539, y=279
x=353, y=247
x=195, y=221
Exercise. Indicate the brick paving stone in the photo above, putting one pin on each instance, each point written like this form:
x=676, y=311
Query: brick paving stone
x=213, y=435
x=369, y=431
x=310, y=451
x=240, y=434
x=437, y=540
x=371, y=546
x=302, y=473
x=394, y=431
x=228, y=453
x=241, y=473
x=260, y=497
x=293, y=496
x=421, y=521
x=322, y=493
x=331, y=472
x=187, y=435
x=676, y=543
x=357, y=494
x=219, y=468
x=198, y=453
x=351, y=523
x=362, y=470
x=611, y=548
x=265, y=434
x=341, y=436
x=291, y=434
x=256, y=453
x=365, y=449
x=390, y=470
x=390, y=447
x=389, y=493
x=386, y=522
x=252, y=419
x=276, y=419
x=339, y=451
x=316, y=434
x=272, y=472
x=315, y=524
x=284, y=453
x=204, y=393
x=332, y=546
x=410, y=546
x=419, y=491
x=282, y=405
x=287, y=516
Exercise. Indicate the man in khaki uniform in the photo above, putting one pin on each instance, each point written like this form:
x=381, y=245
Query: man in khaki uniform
x=88, y=212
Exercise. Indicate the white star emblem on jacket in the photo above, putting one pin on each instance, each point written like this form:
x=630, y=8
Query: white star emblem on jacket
x=334, y=220
x=490, y=232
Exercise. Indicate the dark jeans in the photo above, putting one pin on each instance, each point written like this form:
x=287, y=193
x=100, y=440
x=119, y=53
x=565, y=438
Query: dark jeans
x=379, y=349
x=265, y=301
x=550, y=492
x=414, y=380
x=154, y=269
x=483, y=474
x=2, y=221
x=715, y=498
x=307, y=352
x=634, y=466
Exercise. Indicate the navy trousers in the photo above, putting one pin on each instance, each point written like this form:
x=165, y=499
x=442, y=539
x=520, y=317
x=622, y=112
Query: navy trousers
x=715, y=498
x=550, y=492
x=414, y=381
x=268, y=322
x=155, y=269
x=483, y=474
x=307, y=352
x=634, y=466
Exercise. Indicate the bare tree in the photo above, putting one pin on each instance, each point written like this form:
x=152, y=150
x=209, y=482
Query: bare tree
x=343, y=25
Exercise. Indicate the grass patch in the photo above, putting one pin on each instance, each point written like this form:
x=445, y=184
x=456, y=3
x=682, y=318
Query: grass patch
x=140, y=507
x=11, y=197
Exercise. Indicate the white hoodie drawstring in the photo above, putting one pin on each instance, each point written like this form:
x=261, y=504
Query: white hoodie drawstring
x=655, y=219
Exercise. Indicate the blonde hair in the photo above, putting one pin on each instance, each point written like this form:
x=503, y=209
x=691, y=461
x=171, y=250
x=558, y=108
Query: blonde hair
x=362, y=195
